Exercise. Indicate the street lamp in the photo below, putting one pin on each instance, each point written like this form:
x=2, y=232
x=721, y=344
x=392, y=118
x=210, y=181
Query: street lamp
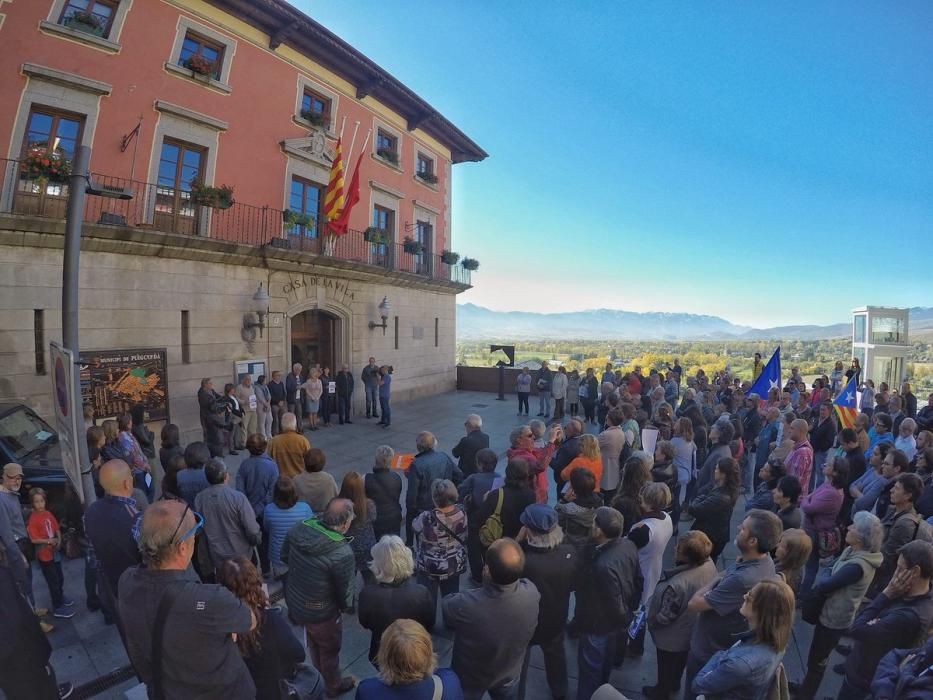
x=261, y=309
x=384, y=307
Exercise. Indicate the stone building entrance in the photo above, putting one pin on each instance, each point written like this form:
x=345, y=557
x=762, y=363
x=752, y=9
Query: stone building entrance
x=314, y=336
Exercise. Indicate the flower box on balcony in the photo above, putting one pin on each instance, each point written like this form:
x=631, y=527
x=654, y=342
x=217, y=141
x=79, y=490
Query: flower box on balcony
x=374, y=235
x=85, y=22
x=200, y=66
x=293, y=218
x=412, y=246
x=214, y=197
x=316, y=118
x=388, y=155
x=470, y=263
x=428, y=177
x=448, y=257
x=39, y=164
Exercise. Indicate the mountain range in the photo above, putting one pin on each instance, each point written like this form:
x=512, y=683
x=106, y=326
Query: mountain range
x=479, y=323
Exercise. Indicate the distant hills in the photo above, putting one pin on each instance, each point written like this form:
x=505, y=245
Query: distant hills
x=478, y=323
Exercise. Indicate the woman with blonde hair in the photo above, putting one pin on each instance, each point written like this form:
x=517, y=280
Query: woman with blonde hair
x=747, y=668
x=589, y=458
x=395, y=593
x=791, y=555
x=408, y=668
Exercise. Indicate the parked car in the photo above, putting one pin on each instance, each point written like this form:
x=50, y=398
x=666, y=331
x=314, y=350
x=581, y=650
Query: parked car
x=31, y=442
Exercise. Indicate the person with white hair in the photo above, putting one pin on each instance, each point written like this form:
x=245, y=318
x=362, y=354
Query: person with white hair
x=905, y=440
x=427, y=466
x=384, y=487
x=474, y=441
x=395, y=595
x=288, y=448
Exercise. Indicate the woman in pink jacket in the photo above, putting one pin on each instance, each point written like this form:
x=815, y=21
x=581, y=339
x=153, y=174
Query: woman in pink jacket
x=821, y=510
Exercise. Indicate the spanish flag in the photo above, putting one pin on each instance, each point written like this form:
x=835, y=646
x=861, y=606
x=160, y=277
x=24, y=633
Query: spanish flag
x=333, y=198
x=845, y=404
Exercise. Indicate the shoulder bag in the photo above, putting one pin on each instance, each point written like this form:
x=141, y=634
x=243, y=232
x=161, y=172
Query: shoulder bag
x=448, y=530
x=491, y=530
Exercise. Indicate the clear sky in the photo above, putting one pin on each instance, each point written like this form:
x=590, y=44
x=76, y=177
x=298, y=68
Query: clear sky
x=771, y=163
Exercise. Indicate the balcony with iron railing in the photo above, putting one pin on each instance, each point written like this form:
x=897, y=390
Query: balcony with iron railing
x=173, y=210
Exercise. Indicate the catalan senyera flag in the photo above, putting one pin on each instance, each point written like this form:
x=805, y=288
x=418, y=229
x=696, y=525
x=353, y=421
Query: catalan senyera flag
x=333, y=197
x=845, y=404
x=340, y=225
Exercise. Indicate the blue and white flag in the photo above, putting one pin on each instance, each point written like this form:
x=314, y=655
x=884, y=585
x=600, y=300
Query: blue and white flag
x=770, y=377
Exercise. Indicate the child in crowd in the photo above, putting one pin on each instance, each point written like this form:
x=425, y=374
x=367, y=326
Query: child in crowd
x=45, y=534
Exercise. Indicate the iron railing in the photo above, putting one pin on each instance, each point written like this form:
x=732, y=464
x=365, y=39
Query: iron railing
x=159, y=208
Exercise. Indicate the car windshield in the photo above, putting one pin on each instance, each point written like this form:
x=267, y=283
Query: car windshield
x=22, y=432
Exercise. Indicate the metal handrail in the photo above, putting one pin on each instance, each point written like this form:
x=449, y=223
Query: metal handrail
x=159, y=208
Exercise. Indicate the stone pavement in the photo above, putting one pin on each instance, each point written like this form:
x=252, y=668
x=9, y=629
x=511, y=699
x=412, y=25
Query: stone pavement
x=85, y=648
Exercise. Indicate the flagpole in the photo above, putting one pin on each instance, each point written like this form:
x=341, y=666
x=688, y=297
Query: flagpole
x=352, y=141
x=343, y=123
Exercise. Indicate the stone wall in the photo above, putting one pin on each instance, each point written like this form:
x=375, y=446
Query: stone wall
x=134, y=285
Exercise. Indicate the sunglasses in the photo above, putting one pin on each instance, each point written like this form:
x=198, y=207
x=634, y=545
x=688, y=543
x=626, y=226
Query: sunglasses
x=198, y=524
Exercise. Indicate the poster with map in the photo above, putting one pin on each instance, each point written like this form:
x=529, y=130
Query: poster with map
x=113, y=381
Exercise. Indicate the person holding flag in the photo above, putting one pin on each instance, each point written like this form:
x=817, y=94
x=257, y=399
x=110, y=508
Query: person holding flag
x=845, y=404
x=770, y=377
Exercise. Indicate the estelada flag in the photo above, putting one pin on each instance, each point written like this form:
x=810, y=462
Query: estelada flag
x=333, y=197
x=845, y=404
x=340, y=225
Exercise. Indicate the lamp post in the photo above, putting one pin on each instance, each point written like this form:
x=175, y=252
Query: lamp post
x=384, y=307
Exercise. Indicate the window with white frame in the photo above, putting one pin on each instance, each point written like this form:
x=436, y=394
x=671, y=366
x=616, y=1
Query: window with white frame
x=202, y=54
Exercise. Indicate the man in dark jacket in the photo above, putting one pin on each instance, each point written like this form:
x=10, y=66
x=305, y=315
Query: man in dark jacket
x=898, y=618
x=427, y=466
x=608, y=589
x=551, y=565
x=492, y=625
x=278, y=399
x=344, y=394
x=925, y=415
x=370, y=378
x=207, y=397
x=108, y=524
x=320, y=586
x=568, y=451
x=822, y=437
x=293, y=392
x=474, y=441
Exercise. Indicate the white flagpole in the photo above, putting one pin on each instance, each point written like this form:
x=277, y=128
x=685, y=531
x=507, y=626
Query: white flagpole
x=343, y=123
x=353, y=141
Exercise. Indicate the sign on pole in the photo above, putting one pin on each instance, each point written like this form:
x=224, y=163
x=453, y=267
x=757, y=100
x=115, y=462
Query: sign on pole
x=67, y=413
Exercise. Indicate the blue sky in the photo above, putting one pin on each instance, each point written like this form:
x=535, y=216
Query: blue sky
x=768, y=163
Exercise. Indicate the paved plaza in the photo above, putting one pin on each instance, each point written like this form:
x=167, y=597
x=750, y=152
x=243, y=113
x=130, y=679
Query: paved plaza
x=86, y=649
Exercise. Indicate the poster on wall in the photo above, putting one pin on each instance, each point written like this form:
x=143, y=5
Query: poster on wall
x=113, y=381
x=254, y=368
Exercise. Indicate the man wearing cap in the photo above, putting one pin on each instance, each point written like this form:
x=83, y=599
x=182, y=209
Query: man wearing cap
x=19, y=548
x=608, y=589
x=551, y=565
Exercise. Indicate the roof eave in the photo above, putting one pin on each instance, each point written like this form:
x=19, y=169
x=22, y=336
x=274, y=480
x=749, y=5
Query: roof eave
x=286, y=24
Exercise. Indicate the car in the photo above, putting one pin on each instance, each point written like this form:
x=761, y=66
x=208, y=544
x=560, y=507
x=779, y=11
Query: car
x=32, y=443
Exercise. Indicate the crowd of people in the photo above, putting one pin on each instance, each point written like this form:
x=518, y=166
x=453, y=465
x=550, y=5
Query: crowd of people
x=249, y=407
x=567, y=540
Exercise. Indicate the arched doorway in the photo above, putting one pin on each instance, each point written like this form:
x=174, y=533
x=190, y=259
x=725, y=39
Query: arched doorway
x=314, y=338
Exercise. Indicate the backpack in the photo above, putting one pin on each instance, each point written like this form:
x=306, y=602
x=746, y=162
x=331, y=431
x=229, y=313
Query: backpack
x=923, y=530
x=491, y=530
